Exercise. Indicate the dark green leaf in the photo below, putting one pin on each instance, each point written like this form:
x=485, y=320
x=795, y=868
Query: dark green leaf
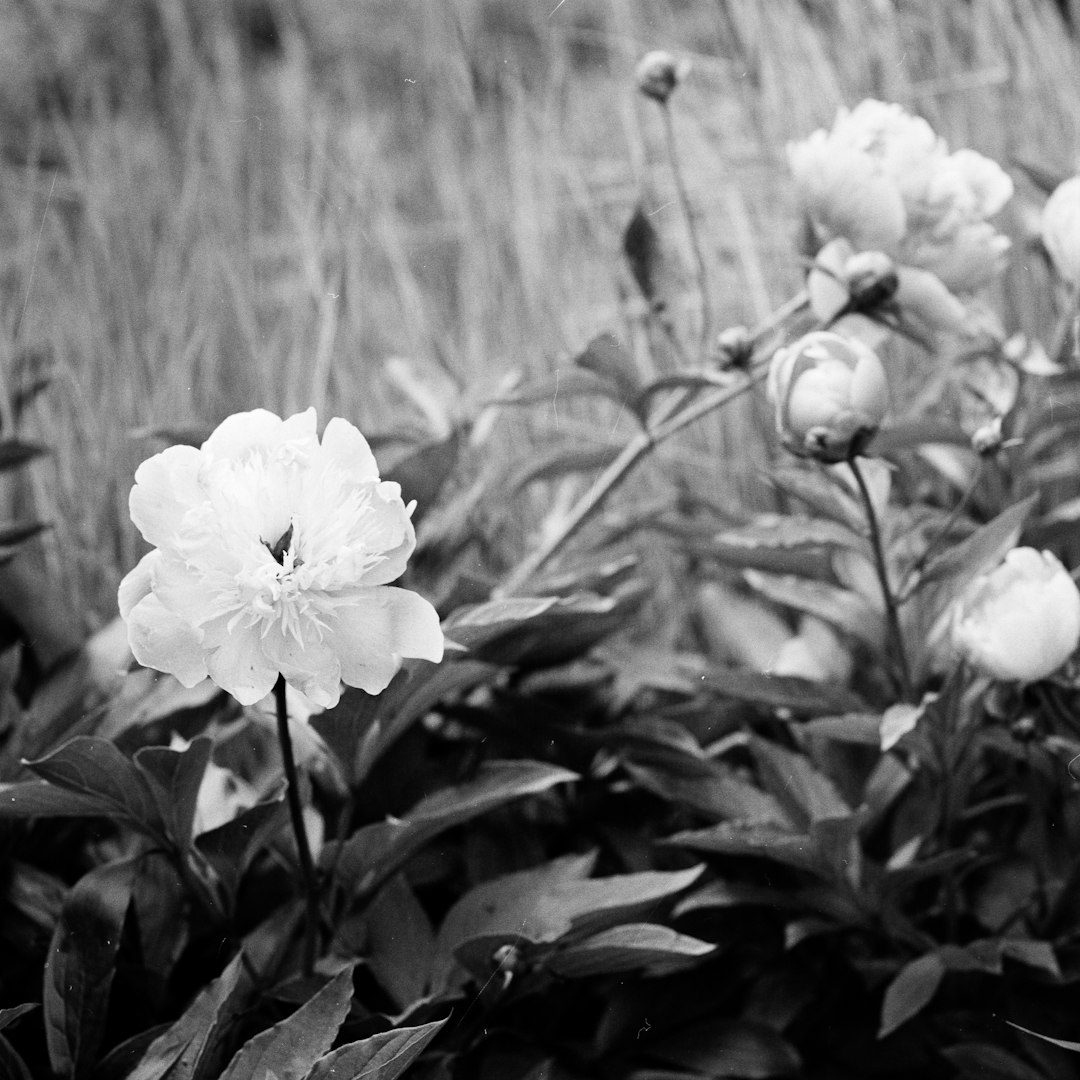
x=782, y=531
x=39, y=798
x=984, y=1061
x=231, y=847
x=95, y=768
x=380, y=1057
x=175, y=777
x=1065, y=1044
x=778, y=691
x=561, y=459
x=765, y=841
x=400, y=942
x=9, y=1016
x=374, y=852
x=805, y=793
x=910, y=992
x=81, y=965
x=729, y=1048
x=423, y=474
x=646, y=947
x=12, y=1066
x=287, y=1050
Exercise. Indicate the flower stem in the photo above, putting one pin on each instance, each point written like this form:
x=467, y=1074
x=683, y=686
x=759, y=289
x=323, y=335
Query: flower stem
x=691, y=228
x=892, y=615
x=664, y=421
x=296, y=813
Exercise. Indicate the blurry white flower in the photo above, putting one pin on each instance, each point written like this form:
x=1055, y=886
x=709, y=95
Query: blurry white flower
x=1021, y=620
x=830, y=393
x=274, y=553
x=1061, y=229
x=816, y=652
x=881, y=179
x=222, y=794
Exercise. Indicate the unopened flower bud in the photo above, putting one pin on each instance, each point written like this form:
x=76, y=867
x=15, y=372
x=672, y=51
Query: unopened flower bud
x=1061, y=229
x=987, y=439
x=1024, y=729
x=871, y=279
x=1021, y=621
x=830, y=394
x=734, y=347
x=658, y=73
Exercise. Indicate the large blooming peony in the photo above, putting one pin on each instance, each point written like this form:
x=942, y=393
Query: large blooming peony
x=274, y=554
x=1020, y=621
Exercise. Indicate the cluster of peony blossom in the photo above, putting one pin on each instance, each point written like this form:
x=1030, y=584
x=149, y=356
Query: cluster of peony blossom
x=900, y=217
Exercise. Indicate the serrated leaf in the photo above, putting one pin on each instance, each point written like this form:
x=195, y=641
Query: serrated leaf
x=649, y=948
x=641, y=246
x=81, y=964
x=374, y=852
x=910, y=992
x=96, y=769
x=175, y=777
x=561, y=459
x=379, y=1057
x=290, y=1046
x=729, y=1048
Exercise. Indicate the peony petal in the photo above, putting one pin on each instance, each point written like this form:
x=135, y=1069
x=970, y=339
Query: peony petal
x=384, y=625
x=161, y=641
x=137, y=583
x=349, y=450
x=310, y=666
x=239, y=666
x=244, y=431
x=166, y=487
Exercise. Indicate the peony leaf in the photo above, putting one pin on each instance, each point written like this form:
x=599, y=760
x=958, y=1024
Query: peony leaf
x=989, y=1062
x=400, y=943
x=910, y=992
x=81, y=964
x=605, y=357
x=1065, y=1044
x=230, y=848
x=729, y=1048
x=806, y=794
x=174, y=777
x=289, y=1047
x=379, y=1057
x=778, y=691
x=96, y=769
x=375, y=852
x=14, y=452
x=10, y=1016
x=554, y=462
x=12, y=1066
x=38, y=798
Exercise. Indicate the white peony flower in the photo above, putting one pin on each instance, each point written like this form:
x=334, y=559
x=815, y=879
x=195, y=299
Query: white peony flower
x=1020, y=621
x=1061, y=229
x=273, y=555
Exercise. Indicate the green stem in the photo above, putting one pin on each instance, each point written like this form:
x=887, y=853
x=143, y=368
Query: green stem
x=892, y=615
x=664, y=422
x=691, y=228
x=296, y=813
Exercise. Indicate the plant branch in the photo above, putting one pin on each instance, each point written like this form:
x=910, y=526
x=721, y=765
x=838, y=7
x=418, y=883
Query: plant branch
x=695, y=240
x=892, y=615
x=296, y=813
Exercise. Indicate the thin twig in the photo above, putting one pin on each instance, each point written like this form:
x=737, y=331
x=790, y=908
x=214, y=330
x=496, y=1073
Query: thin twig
x=695, y=240
x=892, y=615
x=296, y=813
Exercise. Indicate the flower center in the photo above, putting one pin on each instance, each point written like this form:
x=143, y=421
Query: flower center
x=279, y=549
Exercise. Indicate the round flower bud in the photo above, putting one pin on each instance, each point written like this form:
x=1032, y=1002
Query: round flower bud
x=871, y=279
x=830, y=394
x=987, y=439
x=1061, y=229
x=734, y=347
x=1021, y=621
x=658, y=73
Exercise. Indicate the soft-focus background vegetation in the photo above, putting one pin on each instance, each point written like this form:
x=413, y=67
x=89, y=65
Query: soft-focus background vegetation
x=208, y=206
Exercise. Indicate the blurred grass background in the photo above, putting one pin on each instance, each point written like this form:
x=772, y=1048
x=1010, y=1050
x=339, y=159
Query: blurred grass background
x=209, y=206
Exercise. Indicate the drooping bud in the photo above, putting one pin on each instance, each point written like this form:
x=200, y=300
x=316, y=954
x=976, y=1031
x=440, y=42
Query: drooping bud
x=871, y=279
x=830, y=394
x=658, y=73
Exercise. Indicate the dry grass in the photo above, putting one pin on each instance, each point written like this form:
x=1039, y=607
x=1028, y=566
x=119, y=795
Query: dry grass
x=442, y=181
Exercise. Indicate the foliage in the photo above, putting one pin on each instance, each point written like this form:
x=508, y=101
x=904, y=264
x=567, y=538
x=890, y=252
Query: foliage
x=700, y=788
